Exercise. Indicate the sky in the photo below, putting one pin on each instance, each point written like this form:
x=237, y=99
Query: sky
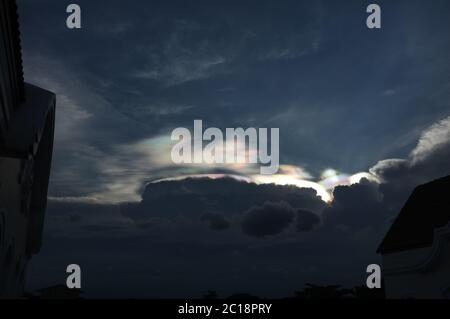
x=350, y=102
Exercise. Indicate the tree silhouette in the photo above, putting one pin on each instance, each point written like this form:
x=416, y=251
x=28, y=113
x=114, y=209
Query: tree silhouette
x=362, y=292
x=323, y=292
x=211, y=294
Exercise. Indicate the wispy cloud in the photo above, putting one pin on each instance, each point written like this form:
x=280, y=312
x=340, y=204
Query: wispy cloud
x=435, y=137
x=179, y=70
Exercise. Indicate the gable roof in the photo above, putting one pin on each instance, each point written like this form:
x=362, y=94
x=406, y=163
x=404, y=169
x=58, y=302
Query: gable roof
x=427, y=209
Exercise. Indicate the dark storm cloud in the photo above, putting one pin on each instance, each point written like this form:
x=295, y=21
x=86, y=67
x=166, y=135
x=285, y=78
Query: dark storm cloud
x=216, y=222
x=307, y=221
x=164, y=238
x=195, y=197
x=272, y=218
x=267, y=220
x=163, y=235
x=155, y=237
x=99, y=228
x=356, y=207
x=184, y=208
x=75, y=218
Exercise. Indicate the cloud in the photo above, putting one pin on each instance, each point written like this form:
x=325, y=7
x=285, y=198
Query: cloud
x=114, y=29
x=432, y=146
x=70, y=219
x=427, y=161
x=356, y=206
x=72, y=114
x=267, y=220
x=85, y=124
x=307, y=221
x=167, y=229
x=195, y=197
x=431, y=141
x=181, y=70
x=100, y=154
x=188, y=50
x=174, y=60
x=216, y=222
x=96, y=158
x=75, y=218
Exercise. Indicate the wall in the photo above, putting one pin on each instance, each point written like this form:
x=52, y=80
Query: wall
x=420, y=273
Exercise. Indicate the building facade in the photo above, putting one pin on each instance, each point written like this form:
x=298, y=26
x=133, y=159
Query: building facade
x=27, y=117
x=416, y=250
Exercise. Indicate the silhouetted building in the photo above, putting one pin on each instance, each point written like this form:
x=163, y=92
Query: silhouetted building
x=416, y=250
x=27, y=115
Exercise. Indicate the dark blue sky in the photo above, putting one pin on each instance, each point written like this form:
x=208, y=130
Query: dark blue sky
x=344, y=97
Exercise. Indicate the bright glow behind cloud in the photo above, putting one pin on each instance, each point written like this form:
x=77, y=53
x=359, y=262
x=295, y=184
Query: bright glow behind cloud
x=282, y=179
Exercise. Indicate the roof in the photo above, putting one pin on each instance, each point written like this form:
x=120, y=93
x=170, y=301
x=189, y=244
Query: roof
x=27, y=125
x=24, y=108
x=426, y=210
